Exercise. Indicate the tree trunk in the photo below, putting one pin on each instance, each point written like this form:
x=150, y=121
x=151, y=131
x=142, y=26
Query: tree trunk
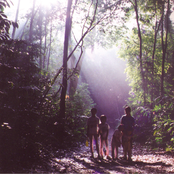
x=164, y=45
x=88, y=30
x=45, y=44
x=49, y=51
x=40, y=36
x=74, y=81
x=31, y=23
x=65, y=56
x=140, y=52
x=153, y=57
x=16, y=19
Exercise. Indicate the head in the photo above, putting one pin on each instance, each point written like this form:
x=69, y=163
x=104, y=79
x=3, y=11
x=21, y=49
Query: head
x=93, y=111
x=103, y=118
x=121, y=127
x=127, y=110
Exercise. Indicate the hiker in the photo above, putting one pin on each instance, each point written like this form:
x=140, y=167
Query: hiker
x=92, y=131
x=116, y=141
x=128, y=121
x=103, y=132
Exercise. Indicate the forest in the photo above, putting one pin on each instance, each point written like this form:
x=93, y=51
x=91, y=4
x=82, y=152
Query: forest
x=60, y=58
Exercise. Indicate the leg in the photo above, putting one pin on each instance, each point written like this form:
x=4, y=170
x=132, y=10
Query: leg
x=124, y=144
x=97, y=146
x=91, y=145
x=116, y=152
x=113, y=150
x=107, y=148
x=130, y=150
x=130, y=155
x=101, y=147
x=125, y=154
x=125, y=150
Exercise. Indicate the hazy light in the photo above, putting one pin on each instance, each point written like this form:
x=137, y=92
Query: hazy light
x=27, y=4
x=47, y=3
x=104, y=72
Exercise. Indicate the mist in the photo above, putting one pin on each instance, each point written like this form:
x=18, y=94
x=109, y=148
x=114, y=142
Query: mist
x=101, y=69
x=104, y=72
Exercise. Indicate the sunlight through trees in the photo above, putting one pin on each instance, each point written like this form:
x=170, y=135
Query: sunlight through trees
x=59, y=58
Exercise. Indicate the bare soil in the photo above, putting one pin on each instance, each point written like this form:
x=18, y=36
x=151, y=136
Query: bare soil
x=145, y=160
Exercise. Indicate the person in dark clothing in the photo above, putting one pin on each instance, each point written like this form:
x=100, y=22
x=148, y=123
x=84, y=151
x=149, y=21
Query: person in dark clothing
x=116, y=141
x=103, y=132
x=93, y=131
x=128, y=121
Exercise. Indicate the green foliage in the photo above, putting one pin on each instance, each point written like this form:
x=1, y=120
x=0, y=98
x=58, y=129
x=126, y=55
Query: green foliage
x=81, y=102
x=78, y=108
x=20, y=95
x=146, y=92
x=143, y=132
x=164, y=123
x=5, y=23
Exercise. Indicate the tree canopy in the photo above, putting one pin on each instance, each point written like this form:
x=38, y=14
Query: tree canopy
x=44, y=100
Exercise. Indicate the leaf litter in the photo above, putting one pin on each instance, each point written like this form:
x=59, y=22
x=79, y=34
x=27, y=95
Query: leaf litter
x=144, y=160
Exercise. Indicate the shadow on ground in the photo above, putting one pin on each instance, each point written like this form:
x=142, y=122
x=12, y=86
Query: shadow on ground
x=122, y=166
x=79, y=161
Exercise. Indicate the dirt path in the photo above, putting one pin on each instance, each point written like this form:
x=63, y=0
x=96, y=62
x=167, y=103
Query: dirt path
x=78, y=161
x=144, y=161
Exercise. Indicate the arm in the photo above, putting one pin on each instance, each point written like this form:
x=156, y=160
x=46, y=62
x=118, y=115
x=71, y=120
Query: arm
x=98, y=123
x=122, y=120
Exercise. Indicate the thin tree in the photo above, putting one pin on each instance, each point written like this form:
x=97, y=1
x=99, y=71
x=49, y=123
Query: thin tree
x=40, y=35
x=164, y=45
x=135, y=5
x=50, y=44
x=85, y=31
x=156, y=30
x=65, y=59
x=16, y=19
x=45, y=42
x=31, y=22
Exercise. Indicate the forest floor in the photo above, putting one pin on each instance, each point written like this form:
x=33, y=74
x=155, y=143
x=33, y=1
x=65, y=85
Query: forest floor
x=144, y=160
x=79, y=161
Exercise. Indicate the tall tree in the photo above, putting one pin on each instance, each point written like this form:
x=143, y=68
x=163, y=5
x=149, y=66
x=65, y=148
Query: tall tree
x=50, y=44
x=156, y=30
x=31, y=22
x=135, y=5
x=16, y=19
x=40, y=22
x=164, y=44
x=65, y=59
